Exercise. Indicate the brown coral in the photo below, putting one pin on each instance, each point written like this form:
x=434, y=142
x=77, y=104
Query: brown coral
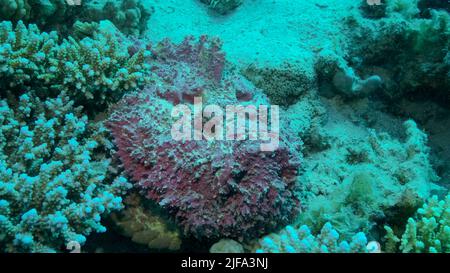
x=146, y=227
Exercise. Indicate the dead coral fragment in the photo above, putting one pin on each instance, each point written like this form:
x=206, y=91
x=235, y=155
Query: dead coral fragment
x=146, y=227
x=223, y=6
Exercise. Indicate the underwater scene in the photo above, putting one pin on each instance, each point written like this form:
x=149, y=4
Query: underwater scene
x=224, y=126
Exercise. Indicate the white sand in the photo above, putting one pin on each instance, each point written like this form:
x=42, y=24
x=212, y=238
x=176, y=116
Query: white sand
x=266, y=32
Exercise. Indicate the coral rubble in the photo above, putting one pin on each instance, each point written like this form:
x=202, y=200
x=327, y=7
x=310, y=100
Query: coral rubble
x=362, y=177
x=90, y=108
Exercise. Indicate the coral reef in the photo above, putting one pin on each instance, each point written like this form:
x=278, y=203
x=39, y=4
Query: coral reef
x=130, y=16
x=93, y=71
x=86, y=93
x=223, y=6
x=55, y=181
x=429, y=231
x=409, y=53
x=301, y=240
x=145, y=226
x=435, y=120
x=362, y=177
x=214, y=188
x=44, y=13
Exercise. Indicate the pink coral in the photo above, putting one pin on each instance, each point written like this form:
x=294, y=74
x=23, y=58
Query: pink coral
x=213, y=188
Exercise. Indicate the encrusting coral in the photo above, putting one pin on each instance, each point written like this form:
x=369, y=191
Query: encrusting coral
x=428, y=231
x=55, y=176
x=40, y=12
x=282, y=85
x=146, y=227
x=216, y=188
x=94, y=71
x=302, y=240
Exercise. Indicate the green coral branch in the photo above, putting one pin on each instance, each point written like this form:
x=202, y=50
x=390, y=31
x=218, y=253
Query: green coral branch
x=428, y=232
x=94, y=71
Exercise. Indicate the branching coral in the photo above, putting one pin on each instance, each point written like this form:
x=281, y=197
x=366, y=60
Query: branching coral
x=41, y=12
x=301, y=240
x=429, y=231
x=145, y=226
x=130, y=16
x=214, y=188
x=55, y=182
x=93, y=72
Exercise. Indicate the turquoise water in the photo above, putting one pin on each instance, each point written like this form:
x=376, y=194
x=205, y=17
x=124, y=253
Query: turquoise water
x=240, y=126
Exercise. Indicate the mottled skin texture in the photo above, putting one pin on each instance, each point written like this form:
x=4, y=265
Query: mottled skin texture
x=214, y=189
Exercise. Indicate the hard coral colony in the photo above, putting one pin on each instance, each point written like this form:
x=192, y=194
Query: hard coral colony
x=88, y=102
